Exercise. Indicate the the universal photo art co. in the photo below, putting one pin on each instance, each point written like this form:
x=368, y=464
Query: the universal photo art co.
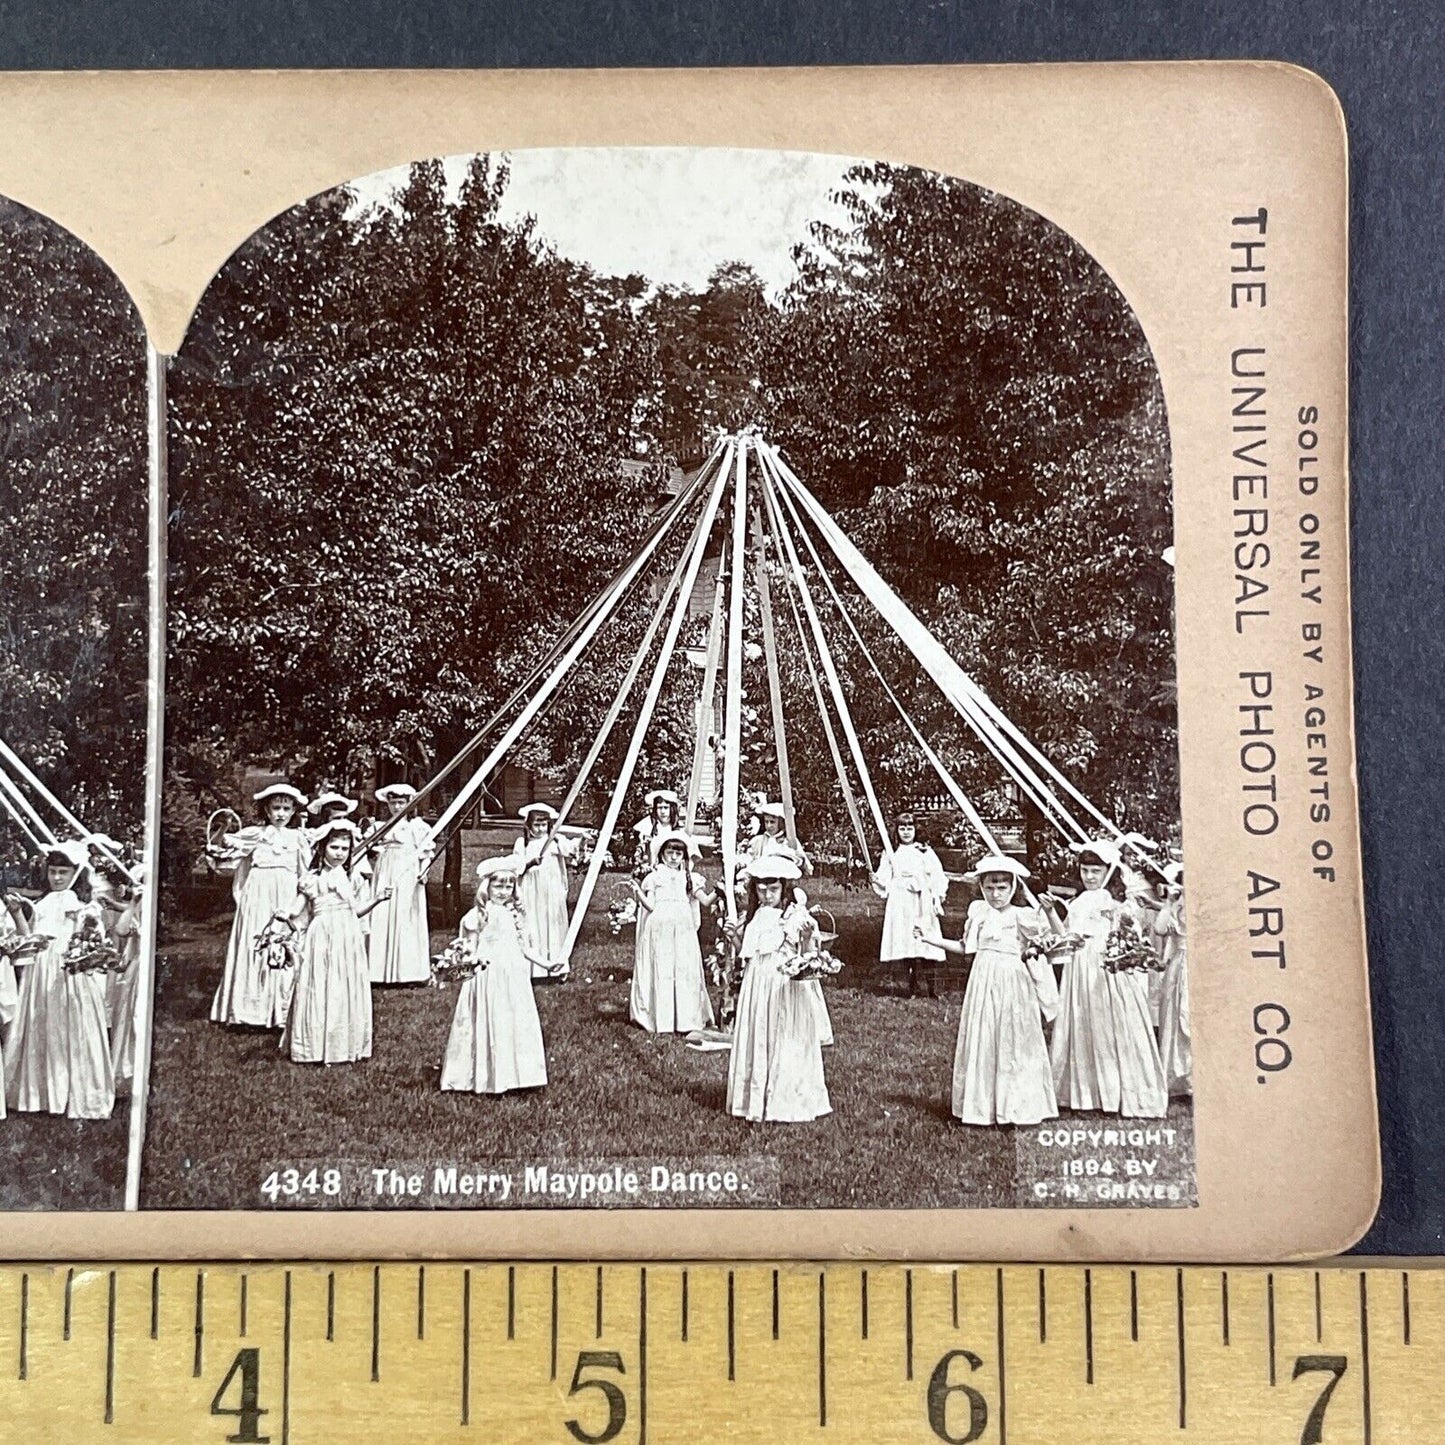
x=670, y=701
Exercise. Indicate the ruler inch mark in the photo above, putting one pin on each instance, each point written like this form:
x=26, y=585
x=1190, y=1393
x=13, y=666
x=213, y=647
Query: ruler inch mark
x=286, y=1362
x=25, y=1326
x=599, y=1303
x=1134, y=1305
x=156, y=1302
x=822, y=1348
x=110, y=1351
x=554, y=1322
x=955, y=1299
x=642, y=1357
x=1365, y=1357
x=863, y=1303
x=69, y=1285
x=732, y=1342
x=684, y=1306
x=466, y=1347
x=1224, y=1302
x=1319, y=1312
x=421, y=1301
x=1183, y=1358
x=200, y=1324
x=1269, y=1309
x=244, y=1288
x=907, y=1324
x=511, y=1302
x=776, y=1321
x=1405, y=1303
x=1043, y=1312
x=1088, y=1327
x=1002, y=1371
x=376, y=1325
x=331, y=1304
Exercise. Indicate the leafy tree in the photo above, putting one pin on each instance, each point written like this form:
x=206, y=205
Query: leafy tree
x=73, y=509
x=968, y=393
x=397, y=438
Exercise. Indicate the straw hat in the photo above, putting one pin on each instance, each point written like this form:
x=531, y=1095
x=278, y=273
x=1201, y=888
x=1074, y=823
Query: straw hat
x=770, y=810
x=997, y=863
x=551, y=813
x=773, y=867
x=281, y=790
x=1106, y=852
x=75, y=853
x=317, y=804
x=494, y=867
x=392, y=791
x=674, y=835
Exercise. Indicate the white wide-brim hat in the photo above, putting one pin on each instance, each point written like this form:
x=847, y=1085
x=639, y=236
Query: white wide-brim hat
x=661, y=795
x=773, y=868
x=1101, y=848
x=547, y=808
x=495, y=867
x=997, y=863
x=675, y=835
x=771, y=810
x=317, y=804
x=336, y=825
x=281, y=790
x=404, y=791
x=75, y=853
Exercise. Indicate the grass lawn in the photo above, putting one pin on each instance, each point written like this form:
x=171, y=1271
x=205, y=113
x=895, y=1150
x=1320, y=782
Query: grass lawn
x=227, y=1106
x=47, y=1162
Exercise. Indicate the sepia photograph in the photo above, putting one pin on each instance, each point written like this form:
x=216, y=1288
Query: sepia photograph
x=671, y=701
x=73, y=691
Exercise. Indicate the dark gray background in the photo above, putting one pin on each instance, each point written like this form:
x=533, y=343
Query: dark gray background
x=1386, y=63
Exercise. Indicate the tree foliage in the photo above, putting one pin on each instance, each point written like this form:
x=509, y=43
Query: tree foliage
x=73, y=510
x=404, y=444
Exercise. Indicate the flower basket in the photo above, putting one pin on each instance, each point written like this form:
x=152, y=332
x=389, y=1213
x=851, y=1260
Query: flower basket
x=824, y=937
x=454, y=964
x=621, y=914
x=89, y=951
x=276, y=944
x=218, y=851
x=1127, y=950
x=817, y=964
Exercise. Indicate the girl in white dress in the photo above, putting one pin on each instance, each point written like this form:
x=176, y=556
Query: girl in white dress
x=124, y=986
x=330, y=1017
x=664, y=815
x=542, y=884
x=770, y=841
x=1175, y=1049
x=775, y=1072
x=495, y=1044
x=271, y=861
x=399, y=945
x=1001, y=1069
x=669, y=992
x=915, y=887
x=1104, y=1052
x=57, y=1055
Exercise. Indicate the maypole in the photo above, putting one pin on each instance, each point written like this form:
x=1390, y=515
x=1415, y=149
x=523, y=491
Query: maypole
x=649, y=704
x=733, y=705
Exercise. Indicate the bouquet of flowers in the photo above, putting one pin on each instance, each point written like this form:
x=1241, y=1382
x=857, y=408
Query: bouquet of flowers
x=22, y=945
x=1047, y=945
x=454, y=964
x=620, y=914
x=1127, y=950
x=276, y=944
x=90, y=951
x=818, y=963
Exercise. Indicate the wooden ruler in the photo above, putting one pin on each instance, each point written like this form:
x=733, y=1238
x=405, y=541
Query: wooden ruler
x=710, y=1352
